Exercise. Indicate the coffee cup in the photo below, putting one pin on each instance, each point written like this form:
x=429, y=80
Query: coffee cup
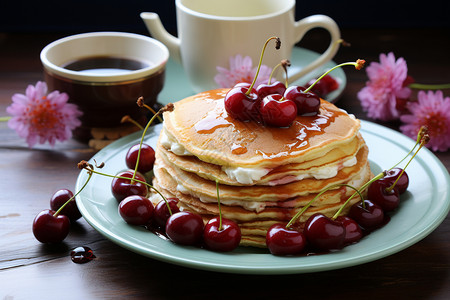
x=104, y=73
x=212, y=31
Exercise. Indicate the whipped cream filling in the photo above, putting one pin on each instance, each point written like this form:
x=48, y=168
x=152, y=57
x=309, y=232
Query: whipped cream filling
x=170, y=143
x=245, y=175
x=255, y=205
x=250, y=176
x=318, y=173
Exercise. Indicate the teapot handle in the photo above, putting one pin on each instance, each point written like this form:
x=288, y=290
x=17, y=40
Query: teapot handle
x=304, y=25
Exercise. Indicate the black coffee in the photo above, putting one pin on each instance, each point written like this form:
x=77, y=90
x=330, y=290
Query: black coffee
x=105, y=65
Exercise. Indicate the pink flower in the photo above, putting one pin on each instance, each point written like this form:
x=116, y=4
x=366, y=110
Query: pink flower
x=241, y=71
x=385, y=88
x=39, y=117
x=433, y=111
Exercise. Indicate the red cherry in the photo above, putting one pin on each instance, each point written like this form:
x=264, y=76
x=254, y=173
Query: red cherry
x=50, y=229
x=402, y=183
x=241, y=106
x=369, y=216
x=185, y=228
x=264, y=90
x=324, y=233
x=146, y=159
x=162, y=212
x=277, y=111
x=308, y=104
x=122, y=188
x=136, y=210
x=223, y=240
x=353, y=232
x=324, y=86
x=71, y=209
x=378, y=193
x=283, y=241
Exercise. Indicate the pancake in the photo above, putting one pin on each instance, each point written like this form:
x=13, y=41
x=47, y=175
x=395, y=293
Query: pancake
x=264, y=174
x=320, y=168
x=190, y=183
x=201, y=126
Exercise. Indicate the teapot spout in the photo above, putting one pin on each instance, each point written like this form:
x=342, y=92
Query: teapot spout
x=157, y=30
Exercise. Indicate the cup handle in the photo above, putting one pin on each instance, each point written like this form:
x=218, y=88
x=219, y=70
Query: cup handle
x=308, y=23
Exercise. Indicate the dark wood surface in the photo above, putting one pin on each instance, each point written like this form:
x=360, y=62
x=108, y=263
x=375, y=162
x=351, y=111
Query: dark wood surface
x=31, y=270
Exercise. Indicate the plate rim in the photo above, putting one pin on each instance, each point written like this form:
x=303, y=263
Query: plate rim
x=425, y=226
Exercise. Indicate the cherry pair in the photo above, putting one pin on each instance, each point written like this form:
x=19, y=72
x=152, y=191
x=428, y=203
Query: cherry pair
x=53, y=225
x=320, y=232
x=219, y=234
x=270, y=104
x=187, y=228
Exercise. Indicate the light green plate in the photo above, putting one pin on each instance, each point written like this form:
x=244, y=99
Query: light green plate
x=423, y=207
x=176, y=86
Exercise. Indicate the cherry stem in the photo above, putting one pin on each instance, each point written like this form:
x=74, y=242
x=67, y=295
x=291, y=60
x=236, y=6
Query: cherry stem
x=348, y=200
x=137, y=180
x=284, y=63
x=422, y=86
x=423, y=141
x=142, y=141
x=4, y=119
x=67, y=202
x=260, y=61
x=271, y=73
x=304, y=208
x=140, y=102
x=127, y=118
x=358, y=65
x=422, y=131
x=218, y=203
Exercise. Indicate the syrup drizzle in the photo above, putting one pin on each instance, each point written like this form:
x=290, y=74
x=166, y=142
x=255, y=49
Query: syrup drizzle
x=213, y=120
x=294, y=138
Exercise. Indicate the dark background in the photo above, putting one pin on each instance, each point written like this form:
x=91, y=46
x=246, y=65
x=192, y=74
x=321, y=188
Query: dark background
x=75, y=16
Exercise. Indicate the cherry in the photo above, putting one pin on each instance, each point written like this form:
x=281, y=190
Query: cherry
x=284, y=241
x=122, y=188
x=353, y=232
x=324, y=233
x=221, y=236
x=278, y=111
x=324, y=86
x=380, y=193
x=71, y=209
x=368, y=216
x=402, y=183
x=185, y=228
x=48, y=228
x=264, y=90
x=146, y=158
x=242, y=101
x=162, y=212
x=136, y=210
x=241, y=105
x=308, y=103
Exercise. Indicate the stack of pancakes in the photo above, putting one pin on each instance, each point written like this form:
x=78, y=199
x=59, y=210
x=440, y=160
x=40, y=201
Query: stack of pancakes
x=265, y=174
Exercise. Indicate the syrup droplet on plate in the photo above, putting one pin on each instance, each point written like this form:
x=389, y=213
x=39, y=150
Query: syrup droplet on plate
x=82, y=254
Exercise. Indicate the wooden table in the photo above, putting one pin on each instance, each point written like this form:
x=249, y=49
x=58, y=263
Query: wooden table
x=31, y=270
